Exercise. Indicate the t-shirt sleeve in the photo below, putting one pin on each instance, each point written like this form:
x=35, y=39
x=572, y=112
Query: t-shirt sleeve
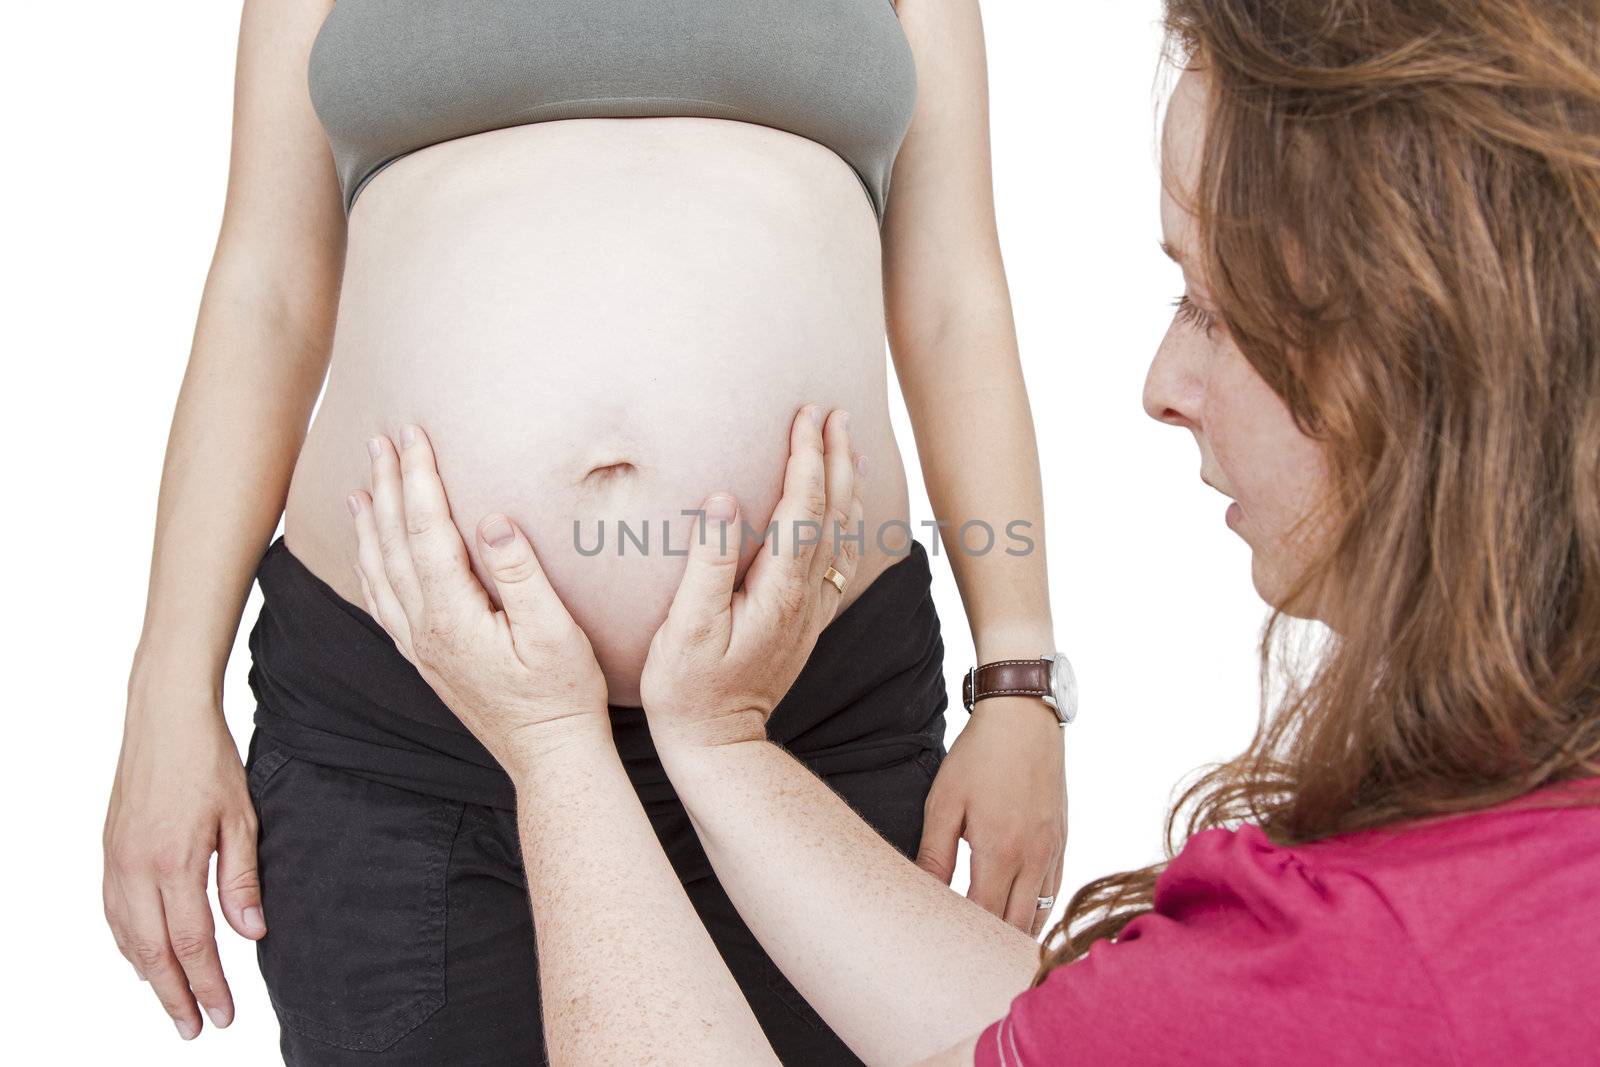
x=1248, y=957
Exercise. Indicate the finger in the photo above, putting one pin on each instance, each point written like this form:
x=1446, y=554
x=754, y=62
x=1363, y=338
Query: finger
x=850, y=554
x=703, y=603
x=382, y=604
x=848, y=559
x=238, y=882
x=992, y=878
x=839, y=478
x=150, y=950
x=1022, y=907
x=1052, y=888
x=438, y=556
x=117, y=919
x=193, y=936
x=941, y=836
x=781, y=569
x=394, y=543
x=520, y=581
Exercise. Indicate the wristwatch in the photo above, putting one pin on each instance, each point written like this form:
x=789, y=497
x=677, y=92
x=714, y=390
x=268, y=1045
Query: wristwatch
x=1049, y=678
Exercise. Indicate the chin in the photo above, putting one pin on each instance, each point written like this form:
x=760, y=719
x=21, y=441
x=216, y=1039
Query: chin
x=1271, y=587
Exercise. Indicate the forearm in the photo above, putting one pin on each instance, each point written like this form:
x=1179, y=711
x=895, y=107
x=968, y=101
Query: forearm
x=240, y=419
x=974, y=431
x=899, y=965
x=627, y=971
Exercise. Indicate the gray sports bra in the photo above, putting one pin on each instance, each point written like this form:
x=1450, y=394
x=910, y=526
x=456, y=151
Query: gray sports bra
x=388, y=77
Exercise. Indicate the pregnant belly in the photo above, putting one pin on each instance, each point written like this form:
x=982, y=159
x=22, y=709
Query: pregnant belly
x=599, y=322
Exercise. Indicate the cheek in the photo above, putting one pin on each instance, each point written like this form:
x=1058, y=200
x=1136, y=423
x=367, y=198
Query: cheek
x=1275, y=471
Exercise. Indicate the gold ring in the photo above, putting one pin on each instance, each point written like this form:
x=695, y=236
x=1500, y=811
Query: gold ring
x=837, y=579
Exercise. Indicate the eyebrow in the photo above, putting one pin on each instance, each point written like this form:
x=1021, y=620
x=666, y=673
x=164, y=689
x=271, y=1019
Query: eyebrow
x=1171, y=253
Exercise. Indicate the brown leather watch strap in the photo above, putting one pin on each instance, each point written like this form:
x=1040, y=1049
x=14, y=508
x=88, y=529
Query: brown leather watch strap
x=1006, y=678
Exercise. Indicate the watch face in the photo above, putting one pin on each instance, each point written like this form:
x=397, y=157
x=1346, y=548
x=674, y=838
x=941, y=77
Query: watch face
x=1063, y=687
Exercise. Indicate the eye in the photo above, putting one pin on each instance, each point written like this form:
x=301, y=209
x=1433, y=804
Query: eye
x=1192, y=314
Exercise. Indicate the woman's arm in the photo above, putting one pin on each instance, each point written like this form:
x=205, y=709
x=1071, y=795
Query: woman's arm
x=896, y=963
x=259, y=355
x=627, y=972
x=955, y=351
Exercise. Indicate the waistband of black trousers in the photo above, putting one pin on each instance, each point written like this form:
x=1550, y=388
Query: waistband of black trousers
x=331, y=688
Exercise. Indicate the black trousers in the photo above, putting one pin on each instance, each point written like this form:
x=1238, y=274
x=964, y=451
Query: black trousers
x=400, y=930
x=398, y=921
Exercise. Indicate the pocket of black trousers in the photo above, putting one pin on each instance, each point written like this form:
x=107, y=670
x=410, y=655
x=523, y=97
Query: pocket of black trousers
x=353, y=879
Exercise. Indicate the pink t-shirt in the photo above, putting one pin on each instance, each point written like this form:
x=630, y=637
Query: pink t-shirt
x=1468, y=940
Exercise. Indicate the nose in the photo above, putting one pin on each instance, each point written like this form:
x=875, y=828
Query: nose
x=1174, y=390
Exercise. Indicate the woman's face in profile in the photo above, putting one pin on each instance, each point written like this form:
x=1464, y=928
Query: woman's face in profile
x=1250, y=448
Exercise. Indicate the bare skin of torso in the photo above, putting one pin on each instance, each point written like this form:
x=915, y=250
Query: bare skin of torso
x=602, y=321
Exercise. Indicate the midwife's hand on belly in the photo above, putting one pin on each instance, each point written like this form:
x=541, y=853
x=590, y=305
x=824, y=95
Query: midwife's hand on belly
x=724, y=658
x=523, y=679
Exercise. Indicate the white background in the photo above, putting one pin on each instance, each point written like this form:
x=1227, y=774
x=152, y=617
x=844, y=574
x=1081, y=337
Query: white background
x=117, y=130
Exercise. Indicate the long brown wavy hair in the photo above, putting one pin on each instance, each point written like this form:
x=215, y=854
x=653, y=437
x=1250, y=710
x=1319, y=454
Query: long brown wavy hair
x=1399, y=218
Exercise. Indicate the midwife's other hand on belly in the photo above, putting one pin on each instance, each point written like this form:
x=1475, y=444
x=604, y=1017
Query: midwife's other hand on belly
x=601, y=322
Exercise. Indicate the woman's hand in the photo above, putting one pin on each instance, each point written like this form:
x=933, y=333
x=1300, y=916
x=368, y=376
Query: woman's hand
x=1003, y=787
x=523, y=679
x=723, y=659
x=179, y=796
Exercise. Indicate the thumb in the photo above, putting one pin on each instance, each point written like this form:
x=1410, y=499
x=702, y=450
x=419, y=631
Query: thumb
x=238, y=884
x=941, y=834
x=518, y=578
x=706, y=591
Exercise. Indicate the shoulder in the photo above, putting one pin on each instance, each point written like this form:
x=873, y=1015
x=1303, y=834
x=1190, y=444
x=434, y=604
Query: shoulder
x=1249, y=911
x=1252, y=948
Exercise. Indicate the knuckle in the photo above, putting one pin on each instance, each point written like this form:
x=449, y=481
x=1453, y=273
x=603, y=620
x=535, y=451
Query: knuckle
x=148, y=954
x=246, y=881
x=541, y=644
x=392, y=544
x=191, y=947
x=125, y=856
x=1008, y=851
x=176, y=1006
x=419, y=520
x=696, y=633
x=168, y=863
x=515, y=571
x=815, y=499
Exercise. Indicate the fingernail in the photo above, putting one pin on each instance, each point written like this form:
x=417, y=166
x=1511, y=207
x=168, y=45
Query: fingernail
x=497, y=531
x=816, y=414
x=187, y=1029
x=844, y=421
x=861, y=465
x=721, y=508
x=353, y=504
x=408, y=436
x=253, y=920
x=374, y=449
x=220, y=1018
